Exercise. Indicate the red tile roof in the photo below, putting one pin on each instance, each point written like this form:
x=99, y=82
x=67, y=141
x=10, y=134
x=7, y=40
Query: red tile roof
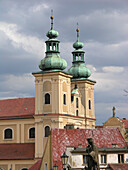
x=103, y=137
x=121, y=166
x=17, y=151
x=36, y=166
x=17, y=108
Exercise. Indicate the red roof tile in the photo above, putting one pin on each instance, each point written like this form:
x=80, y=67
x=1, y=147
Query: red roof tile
x=17, y=108
x=36, y=166
x=17, y=151
x=121, y=166
x=103, y=137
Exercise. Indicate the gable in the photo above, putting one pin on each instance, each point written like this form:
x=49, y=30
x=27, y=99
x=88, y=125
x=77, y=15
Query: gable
x=113, y=121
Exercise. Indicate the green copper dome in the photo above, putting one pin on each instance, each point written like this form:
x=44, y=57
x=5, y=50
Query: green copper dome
x=78, y=69
x=52, y=34
x=52, y=61
x=78, y=45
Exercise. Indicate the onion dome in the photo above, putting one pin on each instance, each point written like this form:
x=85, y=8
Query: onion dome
x=78, y=44
x=78, y=69
x=52, y=61
x=52, y=33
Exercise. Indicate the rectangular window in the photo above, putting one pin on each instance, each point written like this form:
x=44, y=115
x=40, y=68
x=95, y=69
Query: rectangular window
x=45, y=166
x=103, y=159
x=120, y=158
x=64, y=99
x=77, y=104
x=89, y=104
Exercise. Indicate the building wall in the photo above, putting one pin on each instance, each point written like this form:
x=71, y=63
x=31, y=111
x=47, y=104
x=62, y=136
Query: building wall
x=20, y=128
x=86, y=89
x=16, y=164
x=56, y=84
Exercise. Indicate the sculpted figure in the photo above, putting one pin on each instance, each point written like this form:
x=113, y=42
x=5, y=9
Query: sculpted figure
x=92, y=156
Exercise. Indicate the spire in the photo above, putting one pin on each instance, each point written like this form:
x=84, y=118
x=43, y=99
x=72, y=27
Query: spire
x=78, y=69
x=77, y=32
x=52, y=17
x=78, y=44
x=52, y=61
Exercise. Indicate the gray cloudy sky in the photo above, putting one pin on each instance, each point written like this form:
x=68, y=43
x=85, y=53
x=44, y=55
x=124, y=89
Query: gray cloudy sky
x=103, y=28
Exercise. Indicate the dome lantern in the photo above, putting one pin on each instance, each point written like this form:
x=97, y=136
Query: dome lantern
x=52, y=61
x=78, y=69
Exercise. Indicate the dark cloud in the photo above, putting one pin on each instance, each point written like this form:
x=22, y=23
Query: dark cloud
x=103, y=29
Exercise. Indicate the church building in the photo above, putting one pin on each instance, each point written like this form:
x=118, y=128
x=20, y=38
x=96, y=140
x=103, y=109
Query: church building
x=63, y=100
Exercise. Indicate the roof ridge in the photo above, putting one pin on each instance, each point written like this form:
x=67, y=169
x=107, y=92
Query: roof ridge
x=17, y=98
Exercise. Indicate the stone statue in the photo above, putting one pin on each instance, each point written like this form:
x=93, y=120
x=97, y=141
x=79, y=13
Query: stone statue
x=113, y=109
x=92, y=156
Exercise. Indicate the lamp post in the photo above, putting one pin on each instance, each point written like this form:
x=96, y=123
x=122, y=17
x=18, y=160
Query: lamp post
x=64, y=159
x=55, y=167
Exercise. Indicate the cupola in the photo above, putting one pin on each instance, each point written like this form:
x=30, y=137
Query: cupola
x=52, y=60
x=78, y=69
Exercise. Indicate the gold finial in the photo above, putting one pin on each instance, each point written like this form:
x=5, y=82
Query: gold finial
x=77, y=27
x=52, y=17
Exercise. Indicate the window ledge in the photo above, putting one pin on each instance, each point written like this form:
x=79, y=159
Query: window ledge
x=31, y=138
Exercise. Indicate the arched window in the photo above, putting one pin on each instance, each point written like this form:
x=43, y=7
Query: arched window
x=77, y=104
x=32, y=133
x=89, y=104
x=64, y=99
x=77, y=113
x=54, y=46
x=24, y=169
x=50, y=46
x=47, y=131
x=8, y=134
x=47, y=98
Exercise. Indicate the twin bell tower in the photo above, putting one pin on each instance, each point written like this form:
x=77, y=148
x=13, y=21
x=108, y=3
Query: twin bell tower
x=63, y=99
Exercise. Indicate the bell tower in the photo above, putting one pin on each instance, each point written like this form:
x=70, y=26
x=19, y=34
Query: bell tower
x=80, y=77
x=52, y=92
x=50, y=81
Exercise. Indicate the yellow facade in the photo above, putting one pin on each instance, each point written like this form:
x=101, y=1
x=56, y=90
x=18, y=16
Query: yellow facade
x=58, y=104
x=57, y=114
